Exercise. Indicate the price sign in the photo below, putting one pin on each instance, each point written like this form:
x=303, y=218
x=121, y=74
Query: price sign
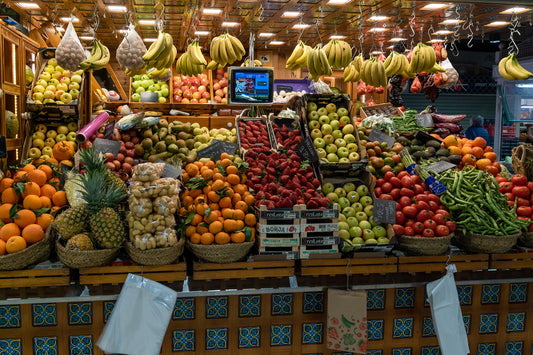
x=109, y=128
x=306, y=150
x=384, y=211
x=440, y=166
x=381, y=137
x=424, y=137
x=229, y=147
x=3, y=147
x=106, y=146
x=216, y=148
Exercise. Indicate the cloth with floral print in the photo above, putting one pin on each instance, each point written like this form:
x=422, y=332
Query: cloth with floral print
x=347, y=328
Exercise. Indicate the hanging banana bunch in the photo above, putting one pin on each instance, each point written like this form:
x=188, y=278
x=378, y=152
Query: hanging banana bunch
x=98, y=58
x=510, y=69
x=339, y=53
x=373, y=73
x=161, y=53
x=423, y=59
x=192, y=62
x=352, y=71
x=396, y=64
x=298, y=57
x=225, y=49
x=257, y=63
x=317, y=63
x=133, y=72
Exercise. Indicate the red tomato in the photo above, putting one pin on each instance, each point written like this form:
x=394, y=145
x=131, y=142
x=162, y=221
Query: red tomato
x=511, y=203
x=530, y=186
x=409, y=211
x=386, y=197
x=398, y=206
x=418, y=227
x=522, y=202
x=395, y=193
x=386, y=187
x=409, y=231
x=421, y=205
x=434, y=198
x=398, y=229
x=404, y=191
x=523, y=218
x=423, y=215
x=509, y=196
x=418, y=189
x=396, y=182
x=424, y=186
x=520, y=191
x=442, y=231
x=451, y=226
x=519, y=180
x=440, y=219
x=378, y=191
x=431, y=224
x=428, y=233
x=409, y=222
x=530, y=228
x=380, y=182
x=400, y=218
x=405, y=201
x=444, y=212
x=501, y=179
x=406, y=182
x=403, y=173
x=415, y=179
x=434, y=206
x=421, y=197
x=524, y=211
x=506, y=187
x=388, y=175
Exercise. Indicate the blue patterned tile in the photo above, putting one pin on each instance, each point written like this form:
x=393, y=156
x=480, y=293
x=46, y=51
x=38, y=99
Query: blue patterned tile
x=108, y=308
x=81, y=344
x=312, y=333
x=490, y=294
x=44, y=314
x=403, y=328
x=183, y=340
x=375, y=299
x=401, y=351
x=375, y=329
x=249, y=337
x=313, y=302
x=514, y=348
x=184, y=309
x=45, y=345
x=11, y=346
x=250, y=306
x=346, y=353
x=427, y=327
x=282, y=304
x=430, y=350
x=515, y=322
x=465, y=294
x=488, y=323
x=216, y=307
x=216, y=338
x=404, y=297
x=281, y=334
x=467, y=319
x=372, y=352
x=80, y=313
x=9, y=316
x=486, y=349
x=518, y=292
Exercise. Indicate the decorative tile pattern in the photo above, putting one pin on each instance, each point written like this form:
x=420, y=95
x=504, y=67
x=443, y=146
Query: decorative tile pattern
x=490, y=294
x=372, y=352
x=514, y=348
x=281, y=335
x=81, y=344
x=515, y=322
x=518, y=292
x=401, y=351
x=430, y=350
x=313, y=302
x=465, y=294
x=375, y=299
x=312, y=333
x=11, y=346
x=404, y=297
x=467, y=319
x=250, y=306
x=375, y=329
x=184, y=309
x=183, y=340
x=80, y=313
x=427, y=327
x=216, y=338
x=249, y=337
x=9, y=317
x=45, y=345
x=488, y=323
x=44, y=314
x=108, y=308
x=282, y=304
x=402, y=328
x=486, y=349
x=216, y=307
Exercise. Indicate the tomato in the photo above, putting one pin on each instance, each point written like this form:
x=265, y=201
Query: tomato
x=523, y=218
x=405, y=201
x=451, y=226
x=520, y=191
x=398, y=206
x=424, y=186
x=386, y=187
x=409, y=222
x=428, y=233
x=524, y=211
x=398, y=229
x=409, y=211
x=511, y=203
x=388, y=175
x=415, y=179
x=431, y=224
x=409, y=231
x=380, y=182
x=530, y=186
x=421, y=197
x=404, y=191
x=509, y=196
x=386, y=197
x=396, y=182
x=400, y=218
x=506, y=187
x=418, y=227
x=442, y=231
x=500, y=179
x=423, y=215
x=401, y=174
x=522, y=202
x=421, y=205
x=406, y=182
x=530, y=228
x=440, y=219
x=434, y=198
x=395, y=193
x=433, y=205
x=519, y=180
x=444, y=212
x=418, y=189
x=378, y=191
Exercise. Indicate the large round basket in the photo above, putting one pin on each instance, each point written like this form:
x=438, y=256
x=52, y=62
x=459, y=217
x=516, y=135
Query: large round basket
x=33, y=254
x=76, y=259
x=157, y=256
x=220, y=253
x=424, y=246
x=526, y=239
x=490, y=244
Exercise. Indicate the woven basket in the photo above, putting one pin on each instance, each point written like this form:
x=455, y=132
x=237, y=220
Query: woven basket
x=490, y=244
x=157, y=256
x=526, y=239
x=33, y=254
x=220, y=253
x=521, y=155
x=424, y=246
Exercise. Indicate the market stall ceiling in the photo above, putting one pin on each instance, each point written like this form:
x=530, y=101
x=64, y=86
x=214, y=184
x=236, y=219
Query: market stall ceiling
x=278, y=21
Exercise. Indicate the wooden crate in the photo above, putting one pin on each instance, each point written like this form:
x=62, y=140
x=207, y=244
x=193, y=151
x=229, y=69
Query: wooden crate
x=319, y=231
x=426, y=264
x=384, y=108
x=278, y=230
x=34, y=283
x=227, y=122
x=513, y=261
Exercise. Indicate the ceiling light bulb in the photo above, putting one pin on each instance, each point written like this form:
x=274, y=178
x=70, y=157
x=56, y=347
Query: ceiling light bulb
x=301, y=26
x=147, y=22
x=212, y=11
x=291, y=14
x=497, y=23
x=396, y=39
x=451, y=22
x=229, y=24
x=338, y=2
x=266, y=34
x=434, y=6
x=515, y=10
x=86, y=38
x=150, y=39
x=277, y=43
x=337, y=37
x=436, y=40
x=377, y=18
x=28, y=5
x=443, y=32
x=67, y=19
x=117, y=8
x=377, y=29
x=202, y=33
x=376, y=52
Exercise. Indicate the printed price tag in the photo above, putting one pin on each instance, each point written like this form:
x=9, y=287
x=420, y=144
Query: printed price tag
x=384, y=211
x=381, y=137
x=440, y=166
x=106, y=146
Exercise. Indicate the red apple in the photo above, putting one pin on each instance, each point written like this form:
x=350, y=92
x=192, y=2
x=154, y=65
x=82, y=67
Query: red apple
x=205, y=95
x=128, y=160
x=204, y=81
x=184, y=88
x=216, y=86
x=177, y=98
x=122, y=150
x=225, y=90
x=129, y=145
x=219, y=93
x=120, y=157
x=202, y=101
x=185, y=101
x=193, y=88
x=110, y=165
x=218, y=98
x=187, y=94
x=194, y=101
x=126, y=167
x=196, y=95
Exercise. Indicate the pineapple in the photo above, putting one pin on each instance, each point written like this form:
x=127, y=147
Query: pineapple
x=94, y=161
x=73, y=189
x=80, y=242
x=71, y=221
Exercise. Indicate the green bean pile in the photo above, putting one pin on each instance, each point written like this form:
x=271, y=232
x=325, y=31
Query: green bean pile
x=407, y=122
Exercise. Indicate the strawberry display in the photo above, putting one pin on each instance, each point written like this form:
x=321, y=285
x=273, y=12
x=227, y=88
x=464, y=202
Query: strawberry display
x=286, y=138
x=253, y=133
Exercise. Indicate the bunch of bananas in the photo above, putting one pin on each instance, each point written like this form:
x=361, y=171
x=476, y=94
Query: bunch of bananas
x=158, y=73
x=298, y=57
x=422, y=59
x=98, y=58
x=373, y=72
x=161, y=53
x=225, y=49
x=191, y=62
x=257, y=63
x=317, y=63
x=132, y=72
x=353, y=70
x=396, y=64
x=339, y=53
x=510, y=69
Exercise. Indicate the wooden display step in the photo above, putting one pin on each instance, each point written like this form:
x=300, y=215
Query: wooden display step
x=362, y=266
x=513, y=261
x=34, y=283
x=426, y=264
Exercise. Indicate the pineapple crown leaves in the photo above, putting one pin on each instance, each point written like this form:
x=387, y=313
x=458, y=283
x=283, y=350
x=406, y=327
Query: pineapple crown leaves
x=98, y=193
x=91, y=159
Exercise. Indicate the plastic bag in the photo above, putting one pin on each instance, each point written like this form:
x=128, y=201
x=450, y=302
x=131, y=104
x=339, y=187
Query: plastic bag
x=131, y=50
x=70, y=52
x=129, y=121
x=139, y=319
x=452, y=76
x=320, y=87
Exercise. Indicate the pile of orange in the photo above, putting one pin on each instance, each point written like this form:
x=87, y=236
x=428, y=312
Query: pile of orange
x=474, y=153
x=217, y=202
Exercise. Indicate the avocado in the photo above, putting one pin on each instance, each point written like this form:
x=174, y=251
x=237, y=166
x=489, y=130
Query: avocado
x=455, y=159
x=433, y=143
x=416, y=148
x=160, y=147
x=442, y=152
x=417, y=155
x=403, y=141
x=425, y=154
x=431, y=151
x=444, y=159
x=416, y=142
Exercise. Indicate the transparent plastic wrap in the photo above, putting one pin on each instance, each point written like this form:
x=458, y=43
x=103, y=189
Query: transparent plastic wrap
x=163, y=239
x=452, y=76
x=147, y=171
x=129, y=121
x=131, y=50
x=166, y=205
x=155, y=188
x=321, y=87
x=70, y=53
x=140, y=207
x=151, y=224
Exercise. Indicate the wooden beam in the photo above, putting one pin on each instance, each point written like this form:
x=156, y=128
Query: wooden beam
x=102, y=10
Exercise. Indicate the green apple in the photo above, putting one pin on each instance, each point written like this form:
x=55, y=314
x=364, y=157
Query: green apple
x=353, y=156
x=332, y=158
x=76, y=78
x=331, y=107
x=337, y=134
x=45, y=76
x=38, y=89
x=38, y=96
x=352, y=147
x=333, y=116
x=349, y=138
x=362, y=190
x=73, y=86
x=322, y=111
x=342, y=218
x=364, y=224
x=65, y=80
x=344, y=160
x=61, y=137
x=321, y=153
x=372, y=222
x=136, y=97
x=328, y=138
x=357, y=207
x=383, y=240
x=135, y=85
x=34, y=153
x=347, y=211
x=344, y=234
x=361, y=216
x=39, y=143
x=41, y=128
x=319, y=142
x=74, y=93
x=62, y=129
x=71, y=136
x=314, y=125
x=72, y=126
x=343, y=203
x=368, y=234
x=137, y=78
x=340, y=192
x=352, y=196
x=316, y=133
x=164, y=92
x=348, y=129
x=328, y=187
x=339, y=142
x=334, y=124
x=52, y=62
x=48, y=151
x=50, y=142
x=349, y=187
x=313, y=116
x=59, y=93
x=331, y=148
x=344, y=120
x=352, y=221
x=344, y=226
x=49, y=100
x=311, y=106
x=38, y=135
x=356, y=232
x=153, y=88
x=326, y=129
x=342, y=111
x=62, y=86
x=66, y=97
x=333, y=196
x=358, y=240
x=365, y=200
x=162, y=100
x=51, y=133
x=56, y=75
x=371, y=240
x=42, y=83
x=343, y=153
x=369, y=209
x=51, y=88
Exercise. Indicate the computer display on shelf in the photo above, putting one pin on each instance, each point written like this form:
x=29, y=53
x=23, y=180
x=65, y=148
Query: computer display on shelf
x=251, y=86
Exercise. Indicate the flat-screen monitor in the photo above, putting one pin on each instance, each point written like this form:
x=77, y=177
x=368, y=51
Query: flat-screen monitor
x=251, y=86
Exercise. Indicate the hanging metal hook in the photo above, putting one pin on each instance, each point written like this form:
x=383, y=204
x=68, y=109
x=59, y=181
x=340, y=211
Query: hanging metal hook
x=513, y=47
x=431, y=31
x=470, y=36
x=261, y=11
x=411, y=25
x=159, y=8
x=318, y=31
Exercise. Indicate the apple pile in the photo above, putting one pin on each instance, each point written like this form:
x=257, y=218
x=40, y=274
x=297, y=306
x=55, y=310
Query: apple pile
x=419, y=212
x=56, y=85
x=143, y=83
x=44, y=139
x=381, y=158
x=191, y=89
x=253, y=133
x=287, y=138
x=220, y=86
x=332, y=131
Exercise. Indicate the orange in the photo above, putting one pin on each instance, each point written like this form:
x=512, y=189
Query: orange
x=241, y=205
x=231, y=225
x=5, y=183
x=4, y=212
x=65, y=162
x=15, y=243
x=236, y=198
x=197, y=219
x=466, y=150
x=216, y=227
x=207, y=238
x=491, y=169
x=31, y=188
x=213, y=196
x=240, y=189
x=190, y=230
x=238, y=237
x=19, y=175
x=468, y=159
x=202, y=228
x=225, y=162
x=28, y=167
x=214, y=206
x=239, y=214
x=228, y=213
x=233, y=179
x=225, y=156
x=225, y=202
x=37, y=161
x=217, y=176
x=479, y=142
x=477, y=152
x=32, y=202
x=38, y=176
x=2, y=247
x=490, y=155
x=207, y=173
x=222, y=238
x=488, y=149
x=192, y=170
x=10, y=196
x=25, y=217
x=250, y=220
x=32, y=233
x=45, y=202
x=201, y=208
x=232, y=169
x=199, y=164
x=497, y=166
x=54, y=208
x=185, y=177
x=186, y=200
x=59, y=198
x=213, y=216
x=482, y=164
x=195, y=238
x=217, y=184
x=249, y=199
x=451, y=140
x=48, y=190
x=45, y=220
x=211, y=164
x=9, y=230
x=47, y=170
x=52, y=160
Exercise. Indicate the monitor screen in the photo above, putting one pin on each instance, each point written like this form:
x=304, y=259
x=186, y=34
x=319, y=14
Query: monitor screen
x=251, y=86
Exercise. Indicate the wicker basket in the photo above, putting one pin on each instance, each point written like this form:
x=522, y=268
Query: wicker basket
x=526, y=239
x=521, y=157
x=157, y=256
x=33, y=254
x=424, y=246
x=490, y=244
x=222, y=253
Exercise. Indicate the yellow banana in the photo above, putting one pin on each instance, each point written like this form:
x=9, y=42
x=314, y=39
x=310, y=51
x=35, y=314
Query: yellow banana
x=511, y=66
x=413, y=66
x=212, y=65
x=213, y=49
x=297, y=52
x=156, y=47
x=237, y=46
x=311, y=64
x=230, y=50
x=520, y=69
